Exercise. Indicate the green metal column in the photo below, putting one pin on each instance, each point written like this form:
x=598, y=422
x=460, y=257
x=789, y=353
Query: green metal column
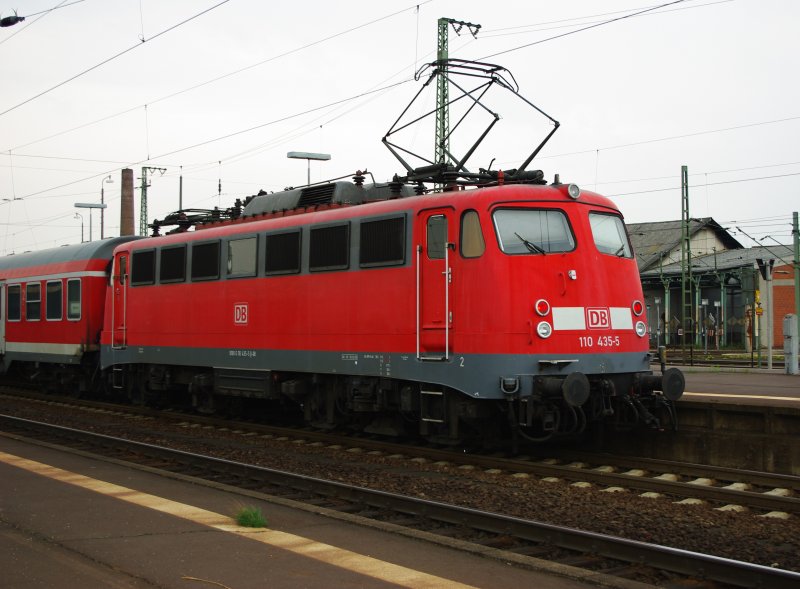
x=687, y=305
x=442, y=147
x=442, y=97
x=143, y=205
x=796, y=236
x=667, y=307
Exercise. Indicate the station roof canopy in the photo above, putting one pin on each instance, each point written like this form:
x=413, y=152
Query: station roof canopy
x=658, y=241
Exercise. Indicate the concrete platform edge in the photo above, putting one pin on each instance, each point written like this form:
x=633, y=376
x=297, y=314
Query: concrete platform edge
x=530, y=563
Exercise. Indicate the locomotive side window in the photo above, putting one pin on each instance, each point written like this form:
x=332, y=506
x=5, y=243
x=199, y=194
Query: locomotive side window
x=143, y=267
x=533, y=231
x=242, y=254
x=205, y=260
x=14, y=308
x=472, y=243
x=609, y=235
x=436, y=236
x=382, y=242
x=74, y=299
x=173, y=264
x=54, y=298
x=33, y=301
x=283, y=253
x=329, y=248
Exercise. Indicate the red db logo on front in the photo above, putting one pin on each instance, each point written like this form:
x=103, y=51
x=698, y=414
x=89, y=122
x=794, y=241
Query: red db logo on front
x=240, y=314
x=598, y=318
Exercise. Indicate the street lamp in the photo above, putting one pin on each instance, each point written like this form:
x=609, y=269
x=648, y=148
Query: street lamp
x=304, y=155
x=90, y=206
x=79, y=216
x=108, y=179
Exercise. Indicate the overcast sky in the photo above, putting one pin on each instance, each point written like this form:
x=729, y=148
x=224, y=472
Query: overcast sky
x=221, y=91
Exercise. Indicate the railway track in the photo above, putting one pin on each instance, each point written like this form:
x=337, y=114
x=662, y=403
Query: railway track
x=500, y=536
x=762, y=493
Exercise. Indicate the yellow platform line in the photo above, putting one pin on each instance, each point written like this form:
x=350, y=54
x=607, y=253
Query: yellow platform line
x=733, y=396
x=332, y=555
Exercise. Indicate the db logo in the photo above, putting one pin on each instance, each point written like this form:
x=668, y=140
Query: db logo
x=598, y=318
x=240, y=314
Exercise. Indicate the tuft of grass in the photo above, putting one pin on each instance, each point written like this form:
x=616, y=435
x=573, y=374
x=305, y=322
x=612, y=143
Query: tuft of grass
x=251, y=517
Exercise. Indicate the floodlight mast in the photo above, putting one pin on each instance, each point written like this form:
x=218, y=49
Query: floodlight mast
x=305, y=155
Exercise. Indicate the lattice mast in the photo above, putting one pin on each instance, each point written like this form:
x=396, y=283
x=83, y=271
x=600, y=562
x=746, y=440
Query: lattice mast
x=687, y=305
x=442, y=147
x=143, y=204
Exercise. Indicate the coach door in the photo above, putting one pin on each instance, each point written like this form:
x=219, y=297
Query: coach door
x=434, y=277
x=119, y=302
x=2, y=318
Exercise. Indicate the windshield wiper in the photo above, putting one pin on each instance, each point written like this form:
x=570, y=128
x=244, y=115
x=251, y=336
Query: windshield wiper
x=620, y=253
x=532, y=247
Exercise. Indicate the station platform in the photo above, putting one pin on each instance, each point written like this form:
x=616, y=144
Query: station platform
x=741, y=386
x=71, y=521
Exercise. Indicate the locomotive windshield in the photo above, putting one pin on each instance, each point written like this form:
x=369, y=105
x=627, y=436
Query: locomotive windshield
x=609, y=235
x=532, y=231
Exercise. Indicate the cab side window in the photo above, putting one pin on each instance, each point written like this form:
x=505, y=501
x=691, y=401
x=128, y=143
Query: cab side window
x=472, y=242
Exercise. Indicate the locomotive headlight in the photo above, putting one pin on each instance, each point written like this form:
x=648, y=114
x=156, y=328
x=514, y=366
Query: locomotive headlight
x=638, y=308
x=641, y=328
x=574, y=191
x=542, y=307
x=544, y=329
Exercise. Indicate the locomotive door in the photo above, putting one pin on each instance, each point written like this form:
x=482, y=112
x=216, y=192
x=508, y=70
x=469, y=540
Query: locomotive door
x=119, y=282
x=434, y=276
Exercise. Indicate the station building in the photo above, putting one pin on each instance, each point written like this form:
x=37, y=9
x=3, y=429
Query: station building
x=730, y=297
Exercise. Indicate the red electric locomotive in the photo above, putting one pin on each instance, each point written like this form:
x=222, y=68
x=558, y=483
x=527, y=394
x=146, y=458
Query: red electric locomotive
x=470, y=313
x=51, y=311
x=494, y=307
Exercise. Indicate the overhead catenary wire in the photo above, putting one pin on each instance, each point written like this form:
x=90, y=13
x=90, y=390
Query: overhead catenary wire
x=222, y=77
x=702, y=185
x=542, y=26
x=611, y=147
x=113, y=57
x=220, y=138
x=586, y=28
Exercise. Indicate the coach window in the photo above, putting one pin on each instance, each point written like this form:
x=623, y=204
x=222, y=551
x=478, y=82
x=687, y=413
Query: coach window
x=242, y=256
x=143, y=268
x=533, y=231
x=205, y=261
x=609, y=235
x=73, y=299
x=33, y=301
x=54, y=298
x=383, y=242
x=437, y=236
x=173, y=264
x=283, y=253
x=329, y=248
x=14, y=309
x=472, y=243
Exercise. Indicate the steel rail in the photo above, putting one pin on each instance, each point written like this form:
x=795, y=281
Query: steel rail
x=675, y=560
x=648, y=483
